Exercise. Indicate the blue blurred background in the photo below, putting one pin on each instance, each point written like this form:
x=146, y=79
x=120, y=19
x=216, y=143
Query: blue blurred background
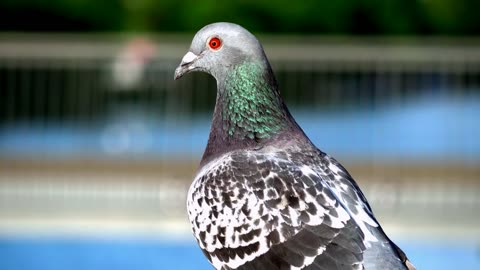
x=98, y=144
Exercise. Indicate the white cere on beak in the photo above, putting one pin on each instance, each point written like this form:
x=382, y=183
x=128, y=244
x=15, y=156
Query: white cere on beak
x=188, y=58
x=186, y=65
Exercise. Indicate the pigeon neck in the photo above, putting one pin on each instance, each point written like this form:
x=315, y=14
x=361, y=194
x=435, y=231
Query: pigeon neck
x=249, y=111
x=251, y=106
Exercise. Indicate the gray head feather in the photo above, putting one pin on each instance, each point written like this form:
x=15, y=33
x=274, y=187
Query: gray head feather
x=238, y=45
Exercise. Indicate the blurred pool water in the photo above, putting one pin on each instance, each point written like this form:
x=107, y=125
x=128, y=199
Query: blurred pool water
x=119, y=254
x=430, y=127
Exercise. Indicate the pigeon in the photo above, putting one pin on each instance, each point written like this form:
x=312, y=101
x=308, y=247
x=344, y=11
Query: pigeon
x=264, y=196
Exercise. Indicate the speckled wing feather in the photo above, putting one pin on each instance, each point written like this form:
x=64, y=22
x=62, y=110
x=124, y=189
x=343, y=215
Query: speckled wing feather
x=254, y=210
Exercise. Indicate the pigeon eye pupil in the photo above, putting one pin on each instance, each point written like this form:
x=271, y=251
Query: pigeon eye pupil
x=215, y=43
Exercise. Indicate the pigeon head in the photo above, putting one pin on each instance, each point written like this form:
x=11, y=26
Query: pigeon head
x=249, y=112
x=219, y=47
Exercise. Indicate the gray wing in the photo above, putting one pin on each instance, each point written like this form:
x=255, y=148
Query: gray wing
x=382, y=253
x=274, y=212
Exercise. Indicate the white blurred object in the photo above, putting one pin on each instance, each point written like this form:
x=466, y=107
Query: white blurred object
x=120, y=139
x=129, y=66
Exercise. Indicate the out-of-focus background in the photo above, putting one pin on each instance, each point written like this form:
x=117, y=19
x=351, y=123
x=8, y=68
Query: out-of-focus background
x=98, y=144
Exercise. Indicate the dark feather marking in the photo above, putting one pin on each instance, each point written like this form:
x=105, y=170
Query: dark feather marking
x=273, y=237
x=221, y=239
x=250, y=235
x=265, y=172
x=271, y=193
x=312, y=209
x=206, y=254
x=259, y=194
x=304, y=217
x=260, y=184
x=245, y=210
x=202, y=237
x=293, y=201
x=290, y=256
x=273, y=203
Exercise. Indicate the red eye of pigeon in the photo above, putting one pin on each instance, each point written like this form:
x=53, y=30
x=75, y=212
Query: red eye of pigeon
x=215, y=43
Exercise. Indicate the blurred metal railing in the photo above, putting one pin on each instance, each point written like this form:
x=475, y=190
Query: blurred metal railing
x=69, y=81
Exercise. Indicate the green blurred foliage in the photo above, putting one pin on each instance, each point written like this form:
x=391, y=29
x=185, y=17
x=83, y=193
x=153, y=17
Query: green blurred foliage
x=445, y=17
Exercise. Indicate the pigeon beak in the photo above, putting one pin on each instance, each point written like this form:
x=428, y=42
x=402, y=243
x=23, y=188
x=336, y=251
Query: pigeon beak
x=186, y=65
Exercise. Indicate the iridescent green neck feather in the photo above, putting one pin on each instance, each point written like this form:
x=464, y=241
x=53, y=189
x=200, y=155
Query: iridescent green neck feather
x=252, y=107
x=249, y=112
